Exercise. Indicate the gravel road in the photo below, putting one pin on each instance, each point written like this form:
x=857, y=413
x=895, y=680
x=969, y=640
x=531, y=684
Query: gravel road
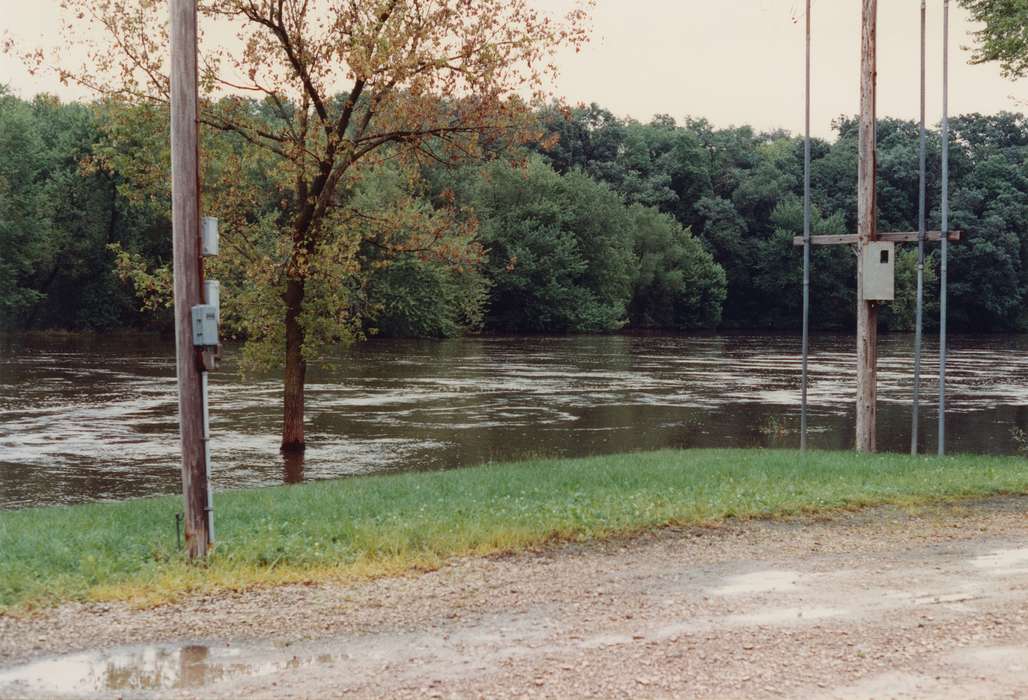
x=881, y=603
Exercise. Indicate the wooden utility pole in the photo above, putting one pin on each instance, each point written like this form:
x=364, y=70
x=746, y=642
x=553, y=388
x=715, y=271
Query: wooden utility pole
x=867, y=231
x=185, y=221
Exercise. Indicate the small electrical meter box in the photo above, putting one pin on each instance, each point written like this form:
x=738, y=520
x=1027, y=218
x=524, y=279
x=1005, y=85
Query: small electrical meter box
x=205, y=325
x=208, y=236
x=879, y=271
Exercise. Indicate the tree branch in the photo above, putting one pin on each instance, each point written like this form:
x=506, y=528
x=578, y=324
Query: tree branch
x=278, y=29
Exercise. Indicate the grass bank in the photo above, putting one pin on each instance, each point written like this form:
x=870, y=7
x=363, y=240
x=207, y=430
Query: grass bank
x=385, y=524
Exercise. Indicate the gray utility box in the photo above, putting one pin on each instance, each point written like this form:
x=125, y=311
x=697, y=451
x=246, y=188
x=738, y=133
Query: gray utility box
x=879, y=271
x=208, y=236
x=212, y=295
x=205, y=325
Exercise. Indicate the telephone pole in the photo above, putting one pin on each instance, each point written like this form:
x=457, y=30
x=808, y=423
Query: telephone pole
x=188, y=272
x=867, y=231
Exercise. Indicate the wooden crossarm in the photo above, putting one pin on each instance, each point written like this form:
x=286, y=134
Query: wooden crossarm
x=851, y=238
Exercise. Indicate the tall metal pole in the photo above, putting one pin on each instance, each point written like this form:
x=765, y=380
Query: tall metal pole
x=185, y=223
x=867, y=231
x=806, y=249
x=921, y=227
x=945, y=228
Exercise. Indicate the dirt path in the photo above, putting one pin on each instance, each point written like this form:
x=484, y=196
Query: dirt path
x=876, y=604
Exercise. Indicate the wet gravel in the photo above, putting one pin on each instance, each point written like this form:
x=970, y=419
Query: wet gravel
x=878, y=603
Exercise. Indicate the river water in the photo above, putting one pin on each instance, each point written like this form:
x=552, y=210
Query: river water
x=86, y=419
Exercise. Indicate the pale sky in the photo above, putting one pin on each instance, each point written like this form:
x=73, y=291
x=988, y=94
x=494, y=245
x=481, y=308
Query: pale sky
x=731, y=61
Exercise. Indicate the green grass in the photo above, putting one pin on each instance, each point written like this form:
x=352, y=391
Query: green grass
x=379, y=525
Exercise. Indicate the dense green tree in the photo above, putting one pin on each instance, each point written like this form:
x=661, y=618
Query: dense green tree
x=84, y=222
x=588, y=138
x=613, y=222
x=58, y=213
x=567, y=254
x=655, y=164
x=776, y=174
x=733, y=187
x=413, y=297
x=560, y=250
x=725, y=233
x=777, y=277
x=901, y=314
x=1004, y=34
x=24, y=224
x=678, y=285
x=989, y=270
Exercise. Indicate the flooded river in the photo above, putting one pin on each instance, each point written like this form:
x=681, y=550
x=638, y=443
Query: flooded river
x=94, y=418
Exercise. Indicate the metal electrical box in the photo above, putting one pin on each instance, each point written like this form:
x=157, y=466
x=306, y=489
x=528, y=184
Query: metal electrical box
x=205, y=325
x=212, y=295
x=879, y=271
x=208, y=236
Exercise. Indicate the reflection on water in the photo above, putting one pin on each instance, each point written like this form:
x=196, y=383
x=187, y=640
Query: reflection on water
x=148, y=668
x=84, y=419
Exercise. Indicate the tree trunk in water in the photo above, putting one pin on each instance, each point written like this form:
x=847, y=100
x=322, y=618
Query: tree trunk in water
x=296, y=370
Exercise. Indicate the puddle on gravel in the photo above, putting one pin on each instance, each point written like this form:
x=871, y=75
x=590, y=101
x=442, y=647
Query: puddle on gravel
x=1003, y=561
x=147, y=668
x=1011, y=659
x=759, y=582
x=786, y=616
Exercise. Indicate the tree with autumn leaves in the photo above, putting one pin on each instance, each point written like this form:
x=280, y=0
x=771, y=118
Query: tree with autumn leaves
x=336, y=106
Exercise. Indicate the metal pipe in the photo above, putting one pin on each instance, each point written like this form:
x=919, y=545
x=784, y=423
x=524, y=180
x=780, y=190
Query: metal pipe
x=207, y=459
x=944, y=227
x=806, y=249
x=921, y=229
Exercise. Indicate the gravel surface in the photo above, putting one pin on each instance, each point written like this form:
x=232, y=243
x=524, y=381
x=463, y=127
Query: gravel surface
x=881, y=603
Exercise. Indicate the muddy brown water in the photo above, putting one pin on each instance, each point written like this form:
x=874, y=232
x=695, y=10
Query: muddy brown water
x=86, y=419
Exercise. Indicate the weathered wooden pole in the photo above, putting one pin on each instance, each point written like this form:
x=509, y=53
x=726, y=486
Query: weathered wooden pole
x=867, y=231
x=185, y=223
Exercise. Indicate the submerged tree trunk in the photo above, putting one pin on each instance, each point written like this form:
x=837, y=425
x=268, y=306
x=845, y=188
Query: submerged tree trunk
x=296, y=370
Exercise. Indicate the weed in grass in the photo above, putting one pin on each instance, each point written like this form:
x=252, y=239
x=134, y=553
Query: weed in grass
x=774, y=427
x=1020, y=439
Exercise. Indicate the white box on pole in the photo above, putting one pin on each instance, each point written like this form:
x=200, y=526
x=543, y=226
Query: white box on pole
x=209, y=236
x=212, y=295
x=879, y=271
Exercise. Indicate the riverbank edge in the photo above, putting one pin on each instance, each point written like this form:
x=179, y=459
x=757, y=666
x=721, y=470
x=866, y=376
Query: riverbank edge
x=368, y=527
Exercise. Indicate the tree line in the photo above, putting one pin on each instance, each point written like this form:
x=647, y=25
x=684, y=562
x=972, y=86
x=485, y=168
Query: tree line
x=599, y=224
